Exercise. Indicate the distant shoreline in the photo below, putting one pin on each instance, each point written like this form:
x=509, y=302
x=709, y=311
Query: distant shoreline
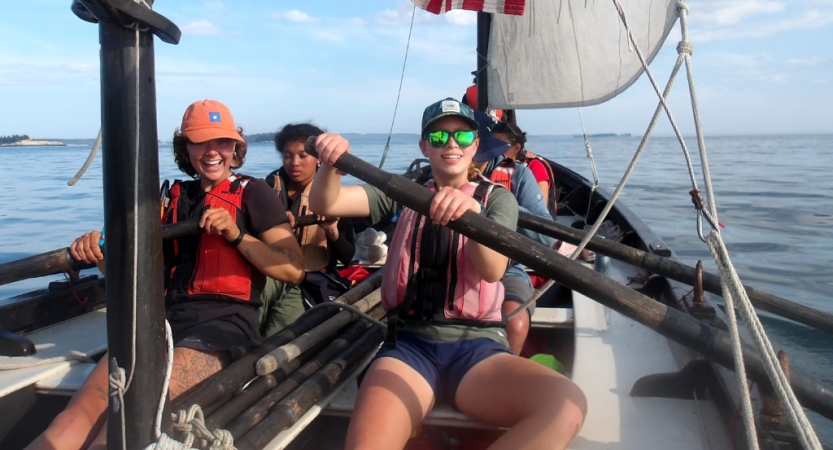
x=34, y=143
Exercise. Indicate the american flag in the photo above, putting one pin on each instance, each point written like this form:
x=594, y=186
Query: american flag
x=514, y=7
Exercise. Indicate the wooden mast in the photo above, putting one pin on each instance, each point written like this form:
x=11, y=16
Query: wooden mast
x=135, y=307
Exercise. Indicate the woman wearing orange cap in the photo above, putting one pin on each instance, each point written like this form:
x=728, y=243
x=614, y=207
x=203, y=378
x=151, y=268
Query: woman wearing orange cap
x=213, y=312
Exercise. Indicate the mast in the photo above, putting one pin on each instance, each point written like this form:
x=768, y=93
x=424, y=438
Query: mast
x=135, y=306
x=484, y=24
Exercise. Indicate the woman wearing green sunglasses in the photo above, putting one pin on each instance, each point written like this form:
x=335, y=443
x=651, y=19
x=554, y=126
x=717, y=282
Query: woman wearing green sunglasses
x=445, y=292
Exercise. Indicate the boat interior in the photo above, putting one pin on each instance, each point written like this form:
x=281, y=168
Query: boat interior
x=643, y=390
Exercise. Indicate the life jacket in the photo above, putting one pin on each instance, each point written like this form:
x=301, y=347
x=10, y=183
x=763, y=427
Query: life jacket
x=312, y=238
x=552, y=201
x=216, y=268
x=502, y=174
x=431, y=280
x=471, y=101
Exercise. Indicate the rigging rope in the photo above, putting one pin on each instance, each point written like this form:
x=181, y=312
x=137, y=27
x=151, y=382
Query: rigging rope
x=399, y=93
x=87, y=163
x=732, y=288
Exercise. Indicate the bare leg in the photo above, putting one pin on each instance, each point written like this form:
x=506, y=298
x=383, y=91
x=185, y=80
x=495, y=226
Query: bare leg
x=392, y=402
x=542, y=408
x=77, y=426
x=82, y=423
x=516, y=329
x=193, y=366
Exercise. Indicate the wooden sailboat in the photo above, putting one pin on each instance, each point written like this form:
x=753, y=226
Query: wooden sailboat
x=646, y=390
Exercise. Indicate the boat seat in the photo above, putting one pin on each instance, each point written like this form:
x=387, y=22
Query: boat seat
x=85, y=334
x=552, y=318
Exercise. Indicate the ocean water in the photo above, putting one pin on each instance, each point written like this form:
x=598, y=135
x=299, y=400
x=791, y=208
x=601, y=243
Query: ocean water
x=774, y=196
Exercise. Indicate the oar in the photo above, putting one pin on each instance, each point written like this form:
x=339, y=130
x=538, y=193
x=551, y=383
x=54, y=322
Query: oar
x=677, y=271
x=713, y=343
x=311, y=219
x=59, y=260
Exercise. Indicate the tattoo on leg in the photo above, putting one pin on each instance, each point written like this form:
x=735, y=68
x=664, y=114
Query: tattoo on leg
x=192, y=366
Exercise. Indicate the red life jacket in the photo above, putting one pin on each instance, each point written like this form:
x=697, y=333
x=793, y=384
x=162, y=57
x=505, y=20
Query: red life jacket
x=471, y=101
x=502, y=174
x=552, y=202
x=216, y=268
x=431, y=278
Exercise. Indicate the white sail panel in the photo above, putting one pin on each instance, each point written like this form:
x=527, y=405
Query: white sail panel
x=563, y=53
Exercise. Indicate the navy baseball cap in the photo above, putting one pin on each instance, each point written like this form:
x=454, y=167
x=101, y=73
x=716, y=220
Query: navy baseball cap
x=490, y=147
x=448, y=108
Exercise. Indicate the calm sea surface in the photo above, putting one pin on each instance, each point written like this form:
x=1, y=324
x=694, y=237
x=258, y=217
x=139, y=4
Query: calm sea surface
x=774, y=196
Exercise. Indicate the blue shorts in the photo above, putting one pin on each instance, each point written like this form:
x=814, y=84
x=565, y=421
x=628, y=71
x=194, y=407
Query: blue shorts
x=442, y=364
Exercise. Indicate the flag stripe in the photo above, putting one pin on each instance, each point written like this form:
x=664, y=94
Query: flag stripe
x=513, y=7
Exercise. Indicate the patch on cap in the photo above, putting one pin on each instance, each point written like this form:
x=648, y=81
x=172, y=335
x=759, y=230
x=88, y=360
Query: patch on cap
x=450, y=106
x=214, y=117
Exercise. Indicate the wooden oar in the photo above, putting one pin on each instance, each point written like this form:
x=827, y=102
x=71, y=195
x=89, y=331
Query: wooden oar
x=289, y=351
x=292, y=407
x=713, y=343
x=677, y=271
x=222, y=384
x=58, y=261
x=311, y=219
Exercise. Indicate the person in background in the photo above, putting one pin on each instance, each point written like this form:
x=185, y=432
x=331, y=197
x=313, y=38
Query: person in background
x=213, y=313
x=541, y=170
x=518, y=179
x=325, y=241
x=443, y=295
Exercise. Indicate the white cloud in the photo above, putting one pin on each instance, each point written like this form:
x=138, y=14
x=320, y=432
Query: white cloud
x=806, y=62
x=461, y=17
x=402, y=15
x=732, y=12
x=201, y=27
x=722, y=20
x=297, y=16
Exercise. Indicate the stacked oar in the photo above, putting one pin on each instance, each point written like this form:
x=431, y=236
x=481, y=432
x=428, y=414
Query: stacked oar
x=268, y=390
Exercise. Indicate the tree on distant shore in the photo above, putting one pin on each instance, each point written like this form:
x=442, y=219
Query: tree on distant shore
x=13, y=138
x=260, y=137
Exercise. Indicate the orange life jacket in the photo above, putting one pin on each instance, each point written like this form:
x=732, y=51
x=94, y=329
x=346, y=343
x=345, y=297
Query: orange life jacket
x=216, y=268
x=471, y=100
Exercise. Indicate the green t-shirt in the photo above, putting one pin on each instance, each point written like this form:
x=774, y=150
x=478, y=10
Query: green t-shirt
x=501, y=207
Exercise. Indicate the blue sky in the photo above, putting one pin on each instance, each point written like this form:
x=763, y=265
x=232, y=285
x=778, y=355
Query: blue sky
x=761, y=67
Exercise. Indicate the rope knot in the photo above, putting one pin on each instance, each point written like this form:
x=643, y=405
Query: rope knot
x=681, y=6
x=696, y=199
x=685, y=47
x=118, y=380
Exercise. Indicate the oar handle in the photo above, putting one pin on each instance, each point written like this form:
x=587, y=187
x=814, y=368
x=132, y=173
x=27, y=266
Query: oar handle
x=311, y=219
x=713, y=343
x=57, y=261
x=678, y=271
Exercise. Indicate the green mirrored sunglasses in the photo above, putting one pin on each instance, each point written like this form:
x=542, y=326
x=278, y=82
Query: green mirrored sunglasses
x=439, y=138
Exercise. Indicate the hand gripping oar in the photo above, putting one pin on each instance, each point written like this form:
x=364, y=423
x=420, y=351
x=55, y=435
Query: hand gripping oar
x=711, y=342
x=677, y=271
x=59, y=260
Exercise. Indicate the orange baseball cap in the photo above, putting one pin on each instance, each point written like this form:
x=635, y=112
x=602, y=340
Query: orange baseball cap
x=209, y=119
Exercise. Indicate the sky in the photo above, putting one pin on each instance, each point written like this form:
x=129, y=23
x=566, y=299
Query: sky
x=760, y=67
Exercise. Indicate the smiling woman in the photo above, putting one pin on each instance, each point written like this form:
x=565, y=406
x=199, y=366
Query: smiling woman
x=213, y=282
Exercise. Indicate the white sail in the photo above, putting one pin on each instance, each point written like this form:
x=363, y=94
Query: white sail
x=564, y=53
